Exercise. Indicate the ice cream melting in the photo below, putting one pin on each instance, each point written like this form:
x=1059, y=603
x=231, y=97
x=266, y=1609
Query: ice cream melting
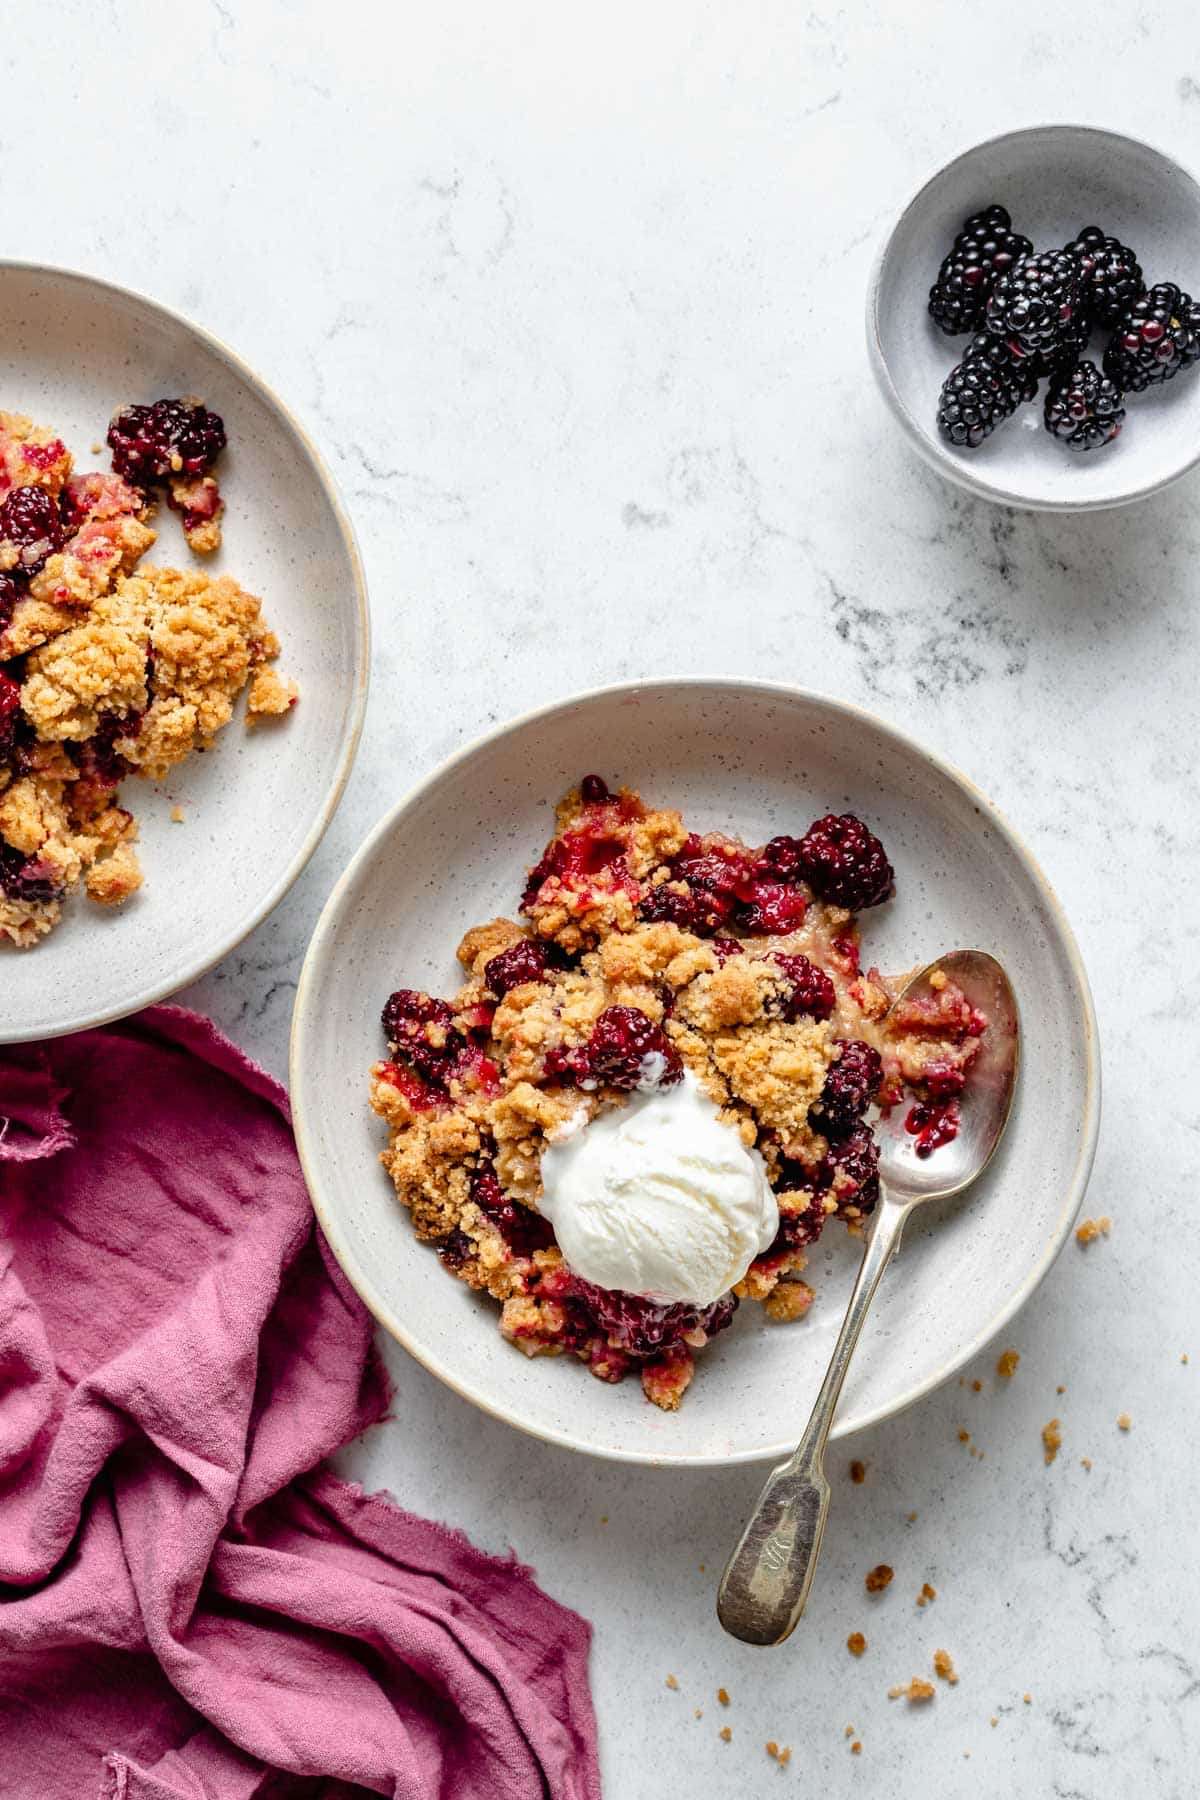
x=659, y=1197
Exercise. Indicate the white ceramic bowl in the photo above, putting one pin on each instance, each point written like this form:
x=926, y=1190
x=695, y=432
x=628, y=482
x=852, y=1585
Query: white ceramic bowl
x=756, y=759
x=72, y=348
x=1054, y=180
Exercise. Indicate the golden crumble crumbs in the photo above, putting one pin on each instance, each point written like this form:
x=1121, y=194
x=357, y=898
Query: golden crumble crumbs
x=1088, y=1230
x=878, y=1578
x=1051, y=1439
x=673, y=1683
x=856, y=1643
x=964, y=1437
x=723, y=1696
x=1086, y=1462
x=725, y=1734
x=782, y=1754
x=1006, y=1366
x=943, y=1667
x=858, y=1473
x=926, y=1594
x=1124, y=1421
x=856, y=1747
x=916, y=1690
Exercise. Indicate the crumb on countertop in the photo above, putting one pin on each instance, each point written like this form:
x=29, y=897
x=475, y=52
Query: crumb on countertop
x=964, y=1437
x=856, y=1748
x=1086, y=1461
x=943, y=1667
x=673, y=1683
x=926, y=1594
x=856, y=1643
x=914, y=1691
x=177, y=815
x=1124, y=1421
x=725, y=1734
x=1028, y=1699
x=976, y=1386
x=781, y=1753
x=1051, y=1439
x=1088, y=1230
x=878, y=1578
x=1006, y=1365
x=858, y=1473
x=723, y=1696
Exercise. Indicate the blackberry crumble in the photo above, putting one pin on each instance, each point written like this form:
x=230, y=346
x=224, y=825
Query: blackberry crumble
x=654, y=972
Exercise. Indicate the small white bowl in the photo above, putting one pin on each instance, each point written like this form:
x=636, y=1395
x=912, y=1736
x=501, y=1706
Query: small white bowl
x=1054, y=180
x=756, y=759
x=73, y=348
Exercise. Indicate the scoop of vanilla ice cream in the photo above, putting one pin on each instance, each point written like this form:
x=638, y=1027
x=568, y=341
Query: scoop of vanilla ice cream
x=659, y=1197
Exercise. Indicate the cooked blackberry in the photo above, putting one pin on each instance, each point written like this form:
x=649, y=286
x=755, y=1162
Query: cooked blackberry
x=983, y=390
x=1110, y=274
x=1158, y=337
x=1034, y=305
x=1084, y=409
x=169, y=438
x=985, y=248
x=31, y=528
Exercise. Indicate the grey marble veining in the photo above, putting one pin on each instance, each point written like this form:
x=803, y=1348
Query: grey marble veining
x=573, y=304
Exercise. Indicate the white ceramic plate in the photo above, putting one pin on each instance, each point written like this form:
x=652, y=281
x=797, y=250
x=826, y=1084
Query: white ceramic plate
x=755, y=759
x=72, y=348
x=1054, y=180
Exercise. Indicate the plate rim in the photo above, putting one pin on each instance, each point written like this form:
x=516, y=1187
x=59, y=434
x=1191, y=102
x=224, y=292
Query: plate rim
x=326, y=929
x=162, y=989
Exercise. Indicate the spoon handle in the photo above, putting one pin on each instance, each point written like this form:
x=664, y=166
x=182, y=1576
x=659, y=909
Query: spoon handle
x=766, y=1581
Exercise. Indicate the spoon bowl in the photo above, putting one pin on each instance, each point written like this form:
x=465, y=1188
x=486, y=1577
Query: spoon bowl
x=982, y=1112
x=767, y=1579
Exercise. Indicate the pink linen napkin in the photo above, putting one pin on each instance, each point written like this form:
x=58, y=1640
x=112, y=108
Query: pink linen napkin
x=191, y=1608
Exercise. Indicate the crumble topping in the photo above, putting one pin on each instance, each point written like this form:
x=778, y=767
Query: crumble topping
x=104, y=671
x=645, y=951
x=1088, y=1230
x=856, y=1643
x=1051, y=1439
x=878, y=1578
x=943, y=1667
x=1006, y=1367
x=915, y=1690
x=926, y=1594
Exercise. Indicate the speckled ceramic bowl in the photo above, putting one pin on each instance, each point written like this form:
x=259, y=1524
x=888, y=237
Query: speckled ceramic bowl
x=758, y=760
x=1054, y=180
x=72, y=348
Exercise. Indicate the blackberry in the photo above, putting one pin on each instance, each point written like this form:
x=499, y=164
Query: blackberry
x=25, y=877
x=985, y=248
x=526, y=960
x=172, y=437
x=423, y=1033
x=810, y=992
x=10, y=593
x=31, y=522
x=1032, y=307
x=522, y=1229
x=1158, y=336
x=1084, y=409
x=984, y=389
x=624, y=1047
x=851, y=1083
x=844, y=863
x=10, y=713
x=1110, y=275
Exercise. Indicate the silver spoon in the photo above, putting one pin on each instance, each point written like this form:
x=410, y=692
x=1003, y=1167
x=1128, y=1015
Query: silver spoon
x=767, y=1579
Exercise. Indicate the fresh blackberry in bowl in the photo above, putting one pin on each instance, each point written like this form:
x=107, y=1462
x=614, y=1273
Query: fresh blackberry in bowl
x=1084, y=409
x=1066, y=353
x=1158, y=336
x=1110, y=274
x=985, y=248
x=1033, y=307
x=983, y=390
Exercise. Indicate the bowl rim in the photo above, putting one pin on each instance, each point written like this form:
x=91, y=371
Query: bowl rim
x=926, y=445
x=327, y=927
x=352, y=732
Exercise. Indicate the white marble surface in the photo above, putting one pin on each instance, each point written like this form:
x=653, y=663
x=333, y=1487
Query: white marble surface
x=572, y=303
